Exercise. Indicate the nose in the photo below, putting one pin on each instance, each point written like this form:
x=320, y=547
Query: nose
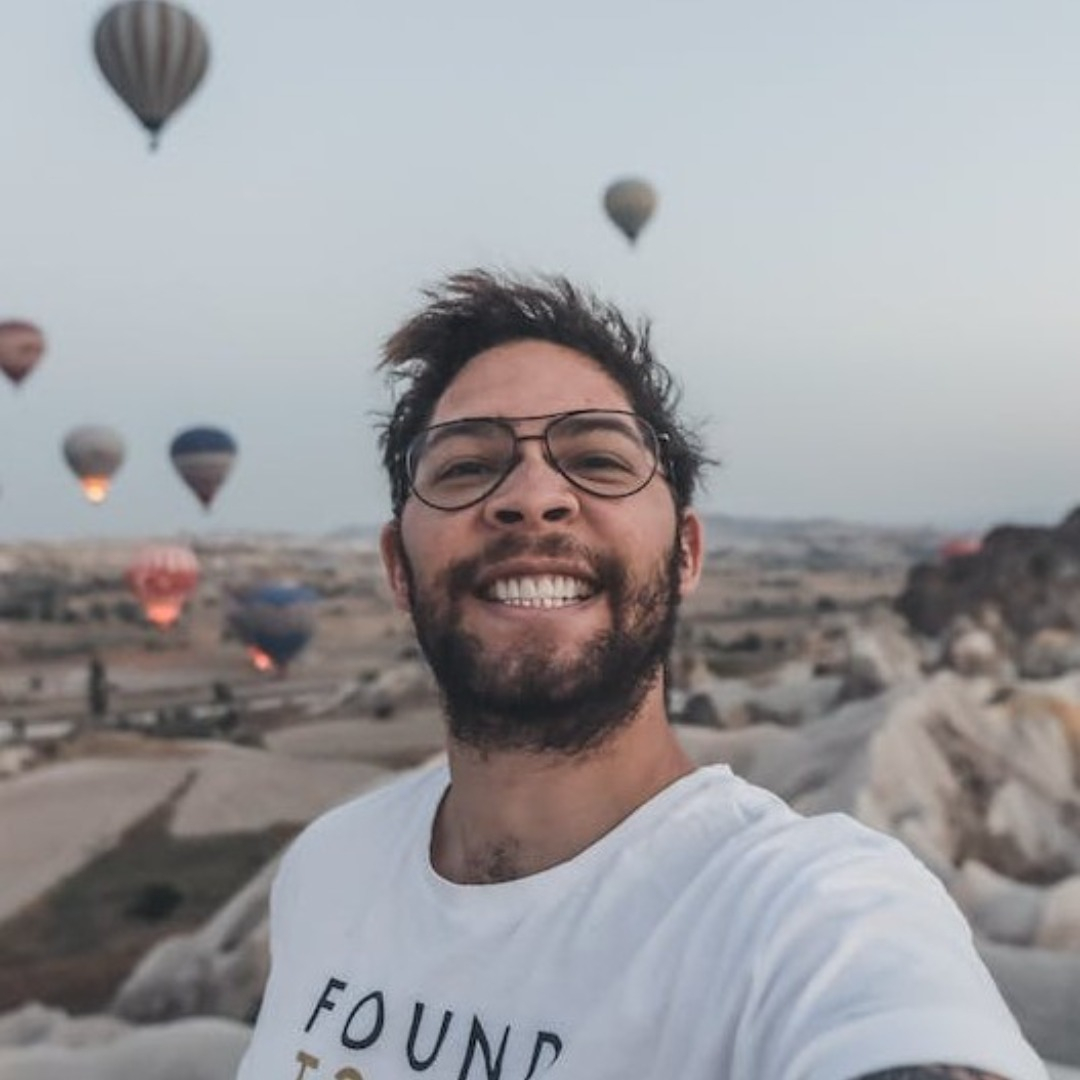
x=534, y=493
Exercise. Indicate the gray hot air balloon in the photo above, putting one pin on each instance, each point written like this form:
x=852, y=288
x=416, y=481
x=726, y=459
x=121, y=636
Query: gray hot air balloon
x=154, y=55
x=630, y=203
x=94, y=454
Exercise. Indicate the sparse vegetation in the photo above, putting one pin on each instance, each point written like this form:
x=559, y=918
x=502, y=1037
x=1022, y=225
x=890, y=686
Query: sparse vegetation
x=74, y=946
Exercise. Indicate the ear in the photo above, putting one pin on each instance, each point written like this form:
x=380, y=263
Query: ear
x=691, y=552
x=393, y=558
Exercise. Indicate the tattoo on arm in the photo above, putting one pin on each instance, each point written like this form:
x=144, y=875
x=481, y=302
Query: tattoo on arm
x=932, y=1072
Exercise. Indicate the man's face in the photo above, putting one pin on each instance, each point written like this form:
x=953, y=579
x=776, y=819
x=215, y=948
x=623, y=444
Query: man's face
x=545, y=612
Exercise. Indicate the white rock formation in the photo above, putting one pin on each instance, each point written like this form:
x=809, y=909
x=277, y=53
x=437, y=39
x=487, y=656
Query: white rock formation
x=202, y=1048
x=218, y=970
x=1032, y=825
x=16, y=759
x=1059, y=927
x=746, y=750
x=57, y=819
x=412, y=735
x=972, y=650
x=879, y=653
x=408, y=682
x=238, y=789
x=788, y=696
x=909, y=784
x=1050, y=653
x=955, y=771
x=221, y=968
x=997, y=907
x=35, y=1023
x=1043, y=990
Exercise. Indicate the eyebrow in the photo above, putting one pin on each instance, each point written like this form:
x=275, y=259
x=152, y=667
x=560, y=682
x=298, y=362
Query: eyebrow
x=623, y=415
x=470, y=425
x=604, y=419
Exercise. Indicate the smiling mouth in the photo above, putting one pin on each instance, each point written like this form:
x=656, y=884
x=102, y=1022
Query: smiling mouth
x=539, y=591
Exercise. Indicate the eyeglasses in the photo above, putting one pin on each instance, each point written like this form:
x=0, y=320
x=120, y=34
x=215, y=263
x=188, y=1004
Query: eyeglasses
x=605, y=452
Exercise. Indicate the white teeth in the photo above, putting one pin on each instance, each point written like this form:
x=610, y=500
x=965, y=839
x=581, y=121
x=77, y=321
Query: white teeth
x=544, y=591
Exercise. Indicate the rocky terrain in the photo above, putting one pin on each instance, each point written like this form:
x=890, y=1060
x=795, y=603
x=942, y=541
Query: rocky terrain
x=844, y=668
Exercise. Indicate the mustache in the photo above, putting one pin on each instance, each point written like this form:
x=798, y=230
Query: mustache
x=461, y=577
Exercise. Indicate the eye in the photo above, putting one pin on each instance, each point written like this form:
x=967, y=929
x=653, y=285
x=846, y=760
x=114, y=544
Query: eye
x=599, y=464
x=461, y=470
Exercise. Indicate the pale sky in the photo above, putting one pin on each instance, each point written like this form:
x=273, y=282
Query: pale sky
x=864, y=269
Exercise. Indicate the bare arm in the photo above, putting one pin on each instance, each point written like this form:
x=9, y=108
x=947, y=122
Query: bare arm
x=932, y=1072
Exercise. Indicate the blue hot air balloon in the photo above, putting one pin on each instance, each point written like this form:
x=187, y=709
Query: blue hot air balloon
x=203, y=456
x=275, y=621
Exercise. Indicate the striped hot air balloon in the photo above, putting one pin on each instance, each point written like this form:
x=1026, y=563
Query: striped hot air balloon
x=630, y=203
x=162, y=577
x=153, y=54
x=94, y=453
x=203, y=456
x=21, y=347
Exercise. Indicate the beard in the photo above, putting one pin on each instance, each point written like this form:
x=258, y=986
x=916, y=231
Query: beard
x=532, y=698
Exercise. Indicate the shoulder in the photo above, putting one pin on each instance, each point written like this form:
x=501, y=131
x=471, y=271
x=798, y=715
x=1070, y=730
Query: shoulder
x=767, y=836
x=828, y=872
x=856, y=953
x=769, y=870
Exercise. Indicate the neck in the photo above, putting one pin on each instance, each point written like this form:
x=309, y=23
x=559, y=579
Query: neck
x=509, y=814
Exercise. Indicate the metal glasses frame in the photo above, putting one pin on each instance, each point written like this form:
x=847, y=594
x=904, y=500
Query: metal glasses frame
x=655, y=439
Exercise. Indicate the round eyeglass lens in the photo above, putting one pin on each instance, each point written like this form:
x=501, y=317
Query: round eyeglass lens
x=610, y=454
x=455, y=464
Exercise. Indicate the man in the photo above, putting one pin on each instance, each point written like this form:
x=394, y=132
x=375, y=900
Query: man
x=97, y=689
x=568, y=898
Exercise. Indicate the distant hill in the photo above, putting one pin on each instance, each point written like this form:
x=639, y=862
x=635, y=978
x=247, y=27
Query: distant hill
x=814, y=542
x=819, y=543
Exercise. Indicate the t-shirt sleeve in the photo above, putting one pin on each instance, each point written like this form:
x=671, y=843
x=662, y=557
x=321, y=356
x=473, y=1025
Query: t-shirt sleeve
x=864, y=964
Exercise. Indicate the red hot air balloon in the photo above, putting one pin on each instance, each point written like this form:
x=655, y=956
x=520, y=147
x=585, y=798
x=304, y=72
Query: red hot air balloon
x=153, y=54
x=162, y=577
x=21, y=347
x=959, y=546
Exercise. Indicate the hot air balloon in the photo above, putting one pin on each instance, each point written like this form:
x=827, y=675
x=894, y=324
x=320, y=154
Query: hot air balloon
x=162, y=577
x=154, y=55
x=275, y=621
x=94, y=454
x=960, y=546
x=630, y=203
x=203, y=457
x=21, y=347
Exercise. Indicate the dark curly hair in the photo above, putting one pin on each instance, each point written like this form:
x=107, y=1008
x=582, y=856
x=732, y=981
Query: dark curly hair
x=476, y=310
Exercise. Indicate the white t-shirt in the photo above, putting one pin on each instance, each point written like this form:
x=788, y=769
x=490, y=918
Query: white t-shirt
x=713, y=935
